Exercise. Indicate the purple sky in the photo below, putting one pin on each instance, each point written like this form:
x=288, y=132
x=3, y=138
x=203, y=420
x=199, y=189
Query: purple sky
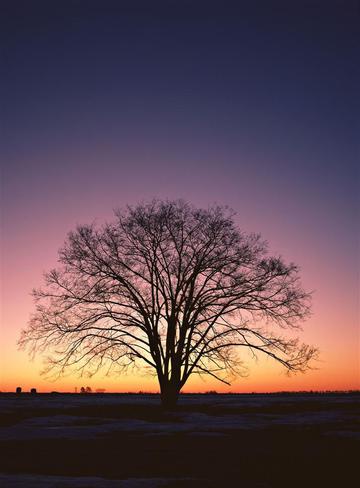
x=249, y=104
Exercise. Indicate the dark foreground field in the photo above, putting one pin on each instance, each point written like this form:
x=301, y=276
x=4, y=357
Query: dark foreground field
x=127, y=441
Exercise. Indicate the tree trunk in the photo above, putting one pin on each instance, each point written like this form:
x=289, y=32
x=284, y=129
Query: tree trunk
x=169, y=396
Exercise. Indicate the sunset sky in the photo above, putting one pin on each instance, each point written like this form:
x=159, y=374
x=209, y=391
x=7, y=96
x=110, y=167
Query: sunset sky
x=249, y=104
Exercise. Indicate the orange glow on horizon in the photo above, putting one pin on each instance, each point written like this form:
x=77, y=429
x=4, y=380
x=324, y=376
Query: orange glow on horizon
x=263, y=376
x=333, y=328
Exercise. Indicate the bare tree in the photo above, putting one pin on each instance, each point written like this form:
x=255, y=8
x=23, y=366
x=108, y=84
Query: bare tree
x=180, y=289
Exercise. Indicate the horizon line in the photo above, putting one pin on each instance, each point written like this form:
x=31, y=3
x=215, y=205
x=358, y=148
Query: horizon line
x=210, y=392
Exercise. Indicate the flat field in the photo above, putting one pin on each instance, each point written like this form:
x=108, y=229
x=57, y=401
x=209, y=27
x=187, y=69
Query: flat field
x=128, y=441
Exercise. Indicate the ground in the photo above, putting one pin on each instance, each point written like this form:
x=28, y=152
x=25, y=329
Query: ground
x=128, y=441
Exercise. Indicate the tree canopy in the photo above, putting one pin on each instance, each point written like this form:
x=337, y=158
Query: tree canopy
x=178, y=289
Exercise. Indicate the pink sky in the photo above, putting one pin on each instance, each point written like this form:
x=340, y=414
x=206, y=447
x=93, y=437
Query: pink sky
x=249, y=107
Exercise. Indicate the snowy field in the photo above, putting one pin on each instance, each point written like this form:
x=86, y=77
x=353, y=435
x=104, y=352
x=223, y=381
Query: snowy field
x=127, y=441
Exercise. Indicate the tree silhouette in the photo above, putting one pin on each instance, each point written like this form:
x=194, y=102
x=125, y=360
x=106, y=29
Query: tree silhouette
x=180, y=289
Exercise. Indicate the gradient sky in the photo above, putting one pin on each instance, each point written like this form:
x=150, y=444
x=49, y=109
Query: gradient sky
x=251, y=104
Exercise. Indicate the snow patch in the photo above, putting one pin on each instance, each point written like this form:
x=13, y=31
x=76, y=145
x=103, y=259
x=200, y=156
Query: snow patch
x=37, y=481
